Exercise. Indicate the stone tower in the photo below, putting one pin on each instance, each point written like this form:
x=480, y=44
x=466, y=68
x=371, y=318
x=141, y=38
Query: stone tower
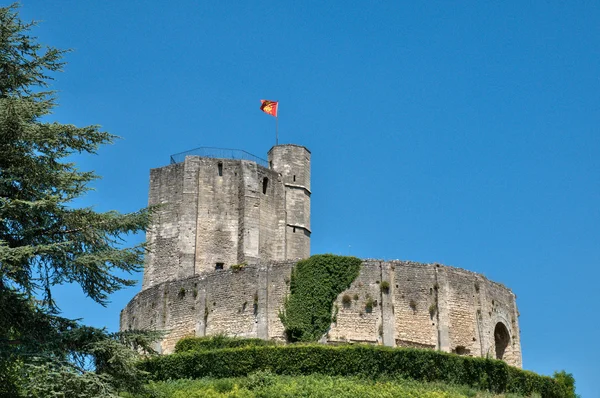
x=221, y=208
x=292, y=162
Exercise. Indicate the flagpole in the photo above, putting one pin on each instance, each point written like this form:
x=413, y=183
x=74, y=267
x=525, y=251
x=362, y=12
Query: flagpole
x=276, y=130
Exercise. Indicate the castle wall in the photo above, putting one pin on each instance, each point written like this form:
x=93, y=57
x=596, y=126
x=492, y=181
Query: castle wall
x=414, y=293
x=426, y=305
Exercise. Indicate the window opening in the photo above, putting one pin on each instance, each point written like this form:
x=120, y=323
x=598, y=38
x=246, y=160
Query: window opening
x=219, y=266
x=294, y=178
x=220, y=167
x=294, y=229
x=265, y=185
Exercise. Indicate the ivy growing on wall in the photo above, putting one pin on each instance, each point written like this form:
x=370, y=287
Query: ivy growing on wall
x=314, y=286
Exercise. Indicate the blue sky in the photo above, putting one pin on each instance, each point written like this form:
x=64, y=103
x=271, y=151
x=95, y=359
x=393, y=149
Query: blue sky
x=465, y=134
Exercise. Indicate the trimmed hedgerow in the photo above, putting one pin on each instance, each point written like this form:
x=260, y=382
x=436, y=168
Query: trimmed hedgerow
x=264, y=384
x=356, y=360
x=217, y=342
x=315, y=284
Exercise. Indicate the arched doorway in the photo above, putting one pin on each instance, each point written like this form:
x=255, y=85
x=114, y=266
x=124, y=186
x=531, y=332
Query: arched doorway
x=501, y=338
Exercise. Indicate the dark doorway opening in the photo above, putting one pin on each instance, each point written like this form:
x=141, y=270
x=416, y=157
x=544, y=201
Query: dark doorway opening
x=501, y=338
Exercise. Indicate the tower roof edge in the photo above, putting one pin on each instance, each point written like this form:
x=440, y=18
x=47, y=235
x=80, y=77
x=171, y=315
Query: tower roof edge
x=296, y=145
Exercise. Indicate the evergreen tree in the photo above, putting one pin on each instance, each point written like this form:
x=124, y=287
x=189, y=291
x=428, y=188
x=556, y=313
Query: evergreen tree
x=45, y=241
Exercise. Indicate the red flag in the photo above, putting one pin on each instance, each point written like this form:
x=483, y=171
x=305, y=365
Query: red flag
x=269, y=107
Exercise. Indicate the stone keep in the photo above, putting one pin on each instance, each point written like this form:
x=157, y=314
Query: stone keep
x=215, y=213
x=227, y=235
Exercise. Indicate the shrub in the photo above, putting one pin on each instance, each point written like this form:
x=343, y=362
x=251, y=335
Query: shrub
x=238, y=267
x=346, y=300
x=373, y=362
x=268, y=385
x=385, y=287
x=432, y=309
x=369, y=304
x=413, y=305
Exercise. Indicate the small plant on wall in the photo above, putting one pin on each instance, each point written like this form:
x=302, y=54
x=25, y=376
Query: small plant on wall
x=432, y=310
x=238, y=267
x=413, y=305
x=369, y=304
x=346, y=301
x=385, y=287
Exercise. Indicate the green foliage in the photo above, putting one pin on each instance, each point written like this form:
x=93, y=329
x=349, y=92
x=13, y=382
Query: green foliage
x=413, y=305
x=217, y=342
x=432, y=309
x=369, y=304
x=265, y=384
x=567, y=380
x=238, y=267
x=315, y=284
x=45, y=240
x=385, y=287
x=346, y=300
x=372, y=362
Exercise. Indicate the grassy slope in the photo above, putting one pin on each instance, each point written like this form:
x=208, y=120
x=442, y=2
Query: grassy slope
x=265, y=384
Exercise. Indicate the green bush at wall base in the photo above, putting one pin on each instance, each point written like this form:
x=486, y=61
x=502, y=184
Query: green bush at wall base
x=356, y=360
x=315, y=284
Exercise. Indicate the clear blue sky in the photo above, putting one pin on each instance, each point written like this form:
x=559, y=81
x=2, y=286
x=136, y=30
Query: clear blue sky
x=465, y=134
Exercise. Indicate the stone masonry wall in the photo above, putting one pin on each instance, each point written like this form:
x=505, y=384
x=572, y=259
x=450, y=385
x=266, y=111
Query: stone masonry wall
x=426, y=305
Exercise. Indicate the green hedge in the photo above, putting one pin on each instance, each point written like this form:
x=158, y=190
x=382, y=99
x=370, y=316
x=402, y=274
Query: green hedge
x=356, y=360
x=217, y=342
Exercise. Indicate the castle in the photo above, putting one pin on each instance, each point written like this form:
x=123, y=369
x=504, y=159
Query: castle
x=227, y=233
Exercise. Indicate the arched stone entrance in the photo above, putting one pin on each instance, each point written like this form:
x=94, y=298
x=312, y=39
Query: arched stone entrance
x=501, y=339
